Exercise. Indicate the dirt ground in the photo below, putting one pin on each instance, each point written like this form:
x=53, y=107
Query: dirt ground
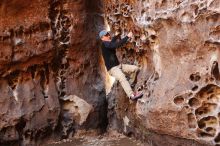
x=105, y=140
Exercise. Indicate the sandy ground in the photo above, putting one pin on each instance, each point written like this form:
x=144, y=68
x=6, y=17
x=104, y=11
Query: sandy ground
x=104, y=140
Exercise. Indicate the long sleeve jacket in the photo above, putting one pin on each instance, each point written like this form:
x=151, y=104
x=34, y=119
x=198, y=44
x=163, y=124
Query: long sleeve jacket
x=109, y=51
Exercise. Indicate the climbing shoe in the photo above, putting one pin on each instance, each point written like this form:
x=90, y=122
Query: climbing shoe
x=136, y=95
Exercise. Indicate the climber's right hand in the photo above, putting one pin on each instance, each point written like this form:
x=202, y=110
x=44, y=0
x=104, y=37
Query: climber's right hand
x=130, y=34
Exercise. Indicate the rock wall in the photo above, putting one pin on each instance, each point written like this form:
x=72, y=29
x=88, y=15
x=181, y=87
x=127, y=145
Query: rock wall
x=50, y=77
x=51, y=71
x=176, y=44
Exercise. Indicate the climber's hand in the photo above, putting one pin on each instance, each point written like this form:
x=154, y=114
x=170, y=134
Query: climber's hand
x=130, y=34
x=117, y=33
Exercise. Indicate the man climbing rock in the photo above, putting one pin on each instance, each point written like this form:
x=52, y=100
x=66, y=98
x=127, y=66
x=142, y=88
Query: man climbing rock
x=115, y=69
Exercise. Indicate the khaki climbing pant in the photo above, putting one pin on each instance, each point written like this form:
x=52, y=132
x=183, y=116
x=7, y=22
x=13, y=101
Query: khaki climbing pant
x=117, y=72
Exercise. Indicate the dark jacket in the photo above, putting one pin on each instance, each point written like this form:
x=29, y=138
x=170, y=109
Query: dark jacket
x=109, y=51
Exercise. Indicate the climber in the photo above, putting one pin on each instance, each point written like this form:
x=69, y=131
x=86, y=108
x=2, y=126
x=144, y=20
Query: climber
x=115, y=69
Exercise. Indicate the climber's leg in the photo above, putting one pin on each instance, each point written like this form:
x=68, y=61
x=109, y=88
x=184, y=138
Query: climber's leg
x=119, y=75
x=132, y=70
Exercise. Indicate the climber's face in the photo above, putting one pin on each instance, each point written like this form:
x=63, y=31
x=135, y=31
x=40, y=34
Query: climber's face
x=107, y=37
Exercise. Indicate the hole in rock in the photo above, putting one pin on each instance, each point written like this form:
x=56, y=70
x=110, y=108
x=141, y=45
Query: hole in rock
x=45, y=96
x=62, y=94
x=204, y=135
x=196, y=9
x=187, y=109
x=130, y=134
x=214, y=98
x=13, y=79
x=208, y=92
x=156, y=76
x=191, y=120
x=148, y=18
x=209, y=121
x=215, y=70
x=195, y=77
x=211, y=79
x=205, y=108
x=189, y=94
x=193, y=102
x=20, y=125
x=153, y=37
x=201, y=5
x=178, y=100
x=195, y=88
x=211, y=131
x=43, y=78
x=182, y=97
x=164, y=3
x=212, y=18
x=217, y=138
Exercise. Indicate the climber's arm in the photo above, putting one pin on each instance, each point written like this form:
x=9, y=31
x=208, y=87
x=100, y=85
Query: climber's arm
x=116, y=44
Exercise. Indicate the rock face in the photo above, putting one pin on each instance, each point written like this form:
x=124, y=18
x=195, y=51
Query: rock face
x=176, y=44
x=51, y=71
x=49, y=62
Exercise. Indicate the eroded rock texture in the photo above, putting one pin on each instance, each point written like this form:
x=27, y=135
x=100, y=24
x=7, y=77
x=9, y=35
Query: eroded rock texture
x=49, y=63
x=50, y=77
x=176, y=44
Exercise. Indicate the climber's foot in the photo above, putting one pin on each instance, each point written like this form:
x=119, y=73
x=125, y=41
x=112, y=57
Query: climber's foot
x=136, y=95
x=132, y=85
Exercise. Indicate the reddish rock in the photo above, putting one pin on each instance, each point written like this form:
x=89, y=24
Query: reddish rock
x=49, y=51
x=176, y=44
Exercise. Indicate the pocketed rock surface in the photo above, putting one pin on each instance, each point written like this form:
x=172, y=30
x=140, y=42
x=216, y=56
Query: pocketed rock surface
x=50, y=81
x=52, y=78
x=176, y=45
